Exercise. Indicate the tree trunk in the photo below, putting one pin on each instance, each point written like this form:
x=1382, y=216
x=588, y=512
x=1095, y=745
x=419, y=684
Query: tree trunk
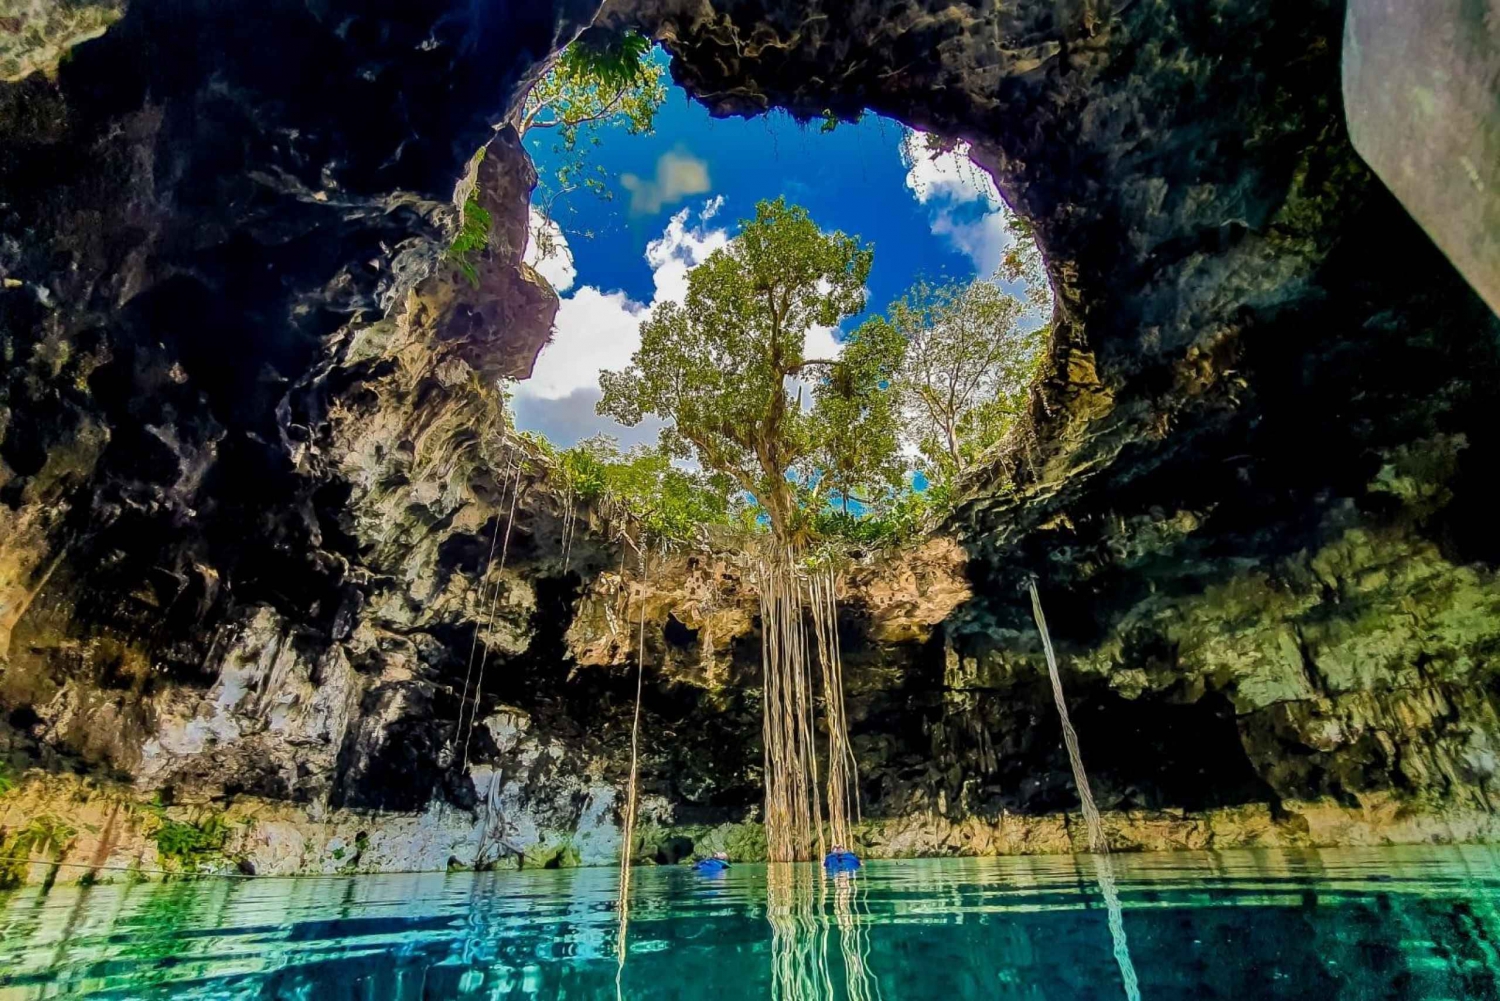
x=780, y=506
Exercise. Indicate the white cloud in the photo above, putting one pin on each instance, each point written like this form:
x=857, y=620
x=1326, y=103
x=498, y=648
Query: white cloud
x=546, y=236
x=966, y=205
x=595, y=330
x=598, y=330
x=935, y=174
x=983, y=239
x=822, y=342
x=680, y=248
x=678, y=175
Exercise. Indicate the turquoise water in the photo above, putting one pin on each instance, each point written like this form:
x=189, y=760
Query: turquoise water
x=1380, y=924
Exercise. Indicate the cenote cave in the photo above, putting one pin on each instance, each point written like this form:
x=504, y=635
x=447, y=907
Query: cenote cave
x=749, y=498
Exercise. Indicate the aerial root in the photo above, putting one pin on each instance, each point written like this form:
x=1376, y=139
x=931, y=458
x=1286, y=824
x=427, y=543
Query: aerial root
x=795, y=825
x=632, y=789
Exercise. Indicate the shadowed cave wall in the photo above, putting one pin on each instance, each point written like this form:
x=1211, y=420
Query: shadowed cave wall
x=250, y=470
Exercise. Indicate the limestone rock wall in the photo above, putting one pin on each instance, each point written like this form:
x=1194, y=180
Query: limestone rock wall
x=250, y=437
x=251, y=474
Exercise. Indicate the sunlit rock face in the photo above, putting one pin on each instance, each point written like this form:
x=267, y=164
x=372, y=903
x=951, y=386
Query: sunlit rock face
x=253, y=497
x=35, y=35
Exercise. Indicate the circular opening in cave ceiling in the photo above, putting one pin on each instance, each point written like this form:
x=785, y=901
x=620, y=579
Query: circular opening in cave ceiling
x=634, y=194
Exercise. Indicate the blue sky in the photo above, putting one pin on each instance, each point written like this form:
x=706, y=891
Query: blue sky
x=680, y=193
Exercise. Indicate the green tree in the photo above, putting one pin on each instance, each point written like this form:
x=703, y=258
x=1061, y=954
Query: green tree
x=717, y=367
x=608, y=81
x=856, y=420
x=967, y=367
x=1022, y=262
x=474, y=225
x=668, y=502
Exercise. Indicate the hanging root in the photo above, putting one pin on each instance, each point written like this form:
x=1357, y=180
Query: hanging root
x=510, y=519
x=843, y=770
x=794, y=821
x=1098, y=844
x=794, y=807
x=632, y=789
x=569, y=528
x=463, y=699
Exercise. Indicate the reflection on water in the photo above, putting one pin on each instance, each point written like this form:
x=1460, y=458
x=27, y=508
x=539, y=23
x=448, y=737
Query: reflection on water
x=808, y=909
x=1337, y=925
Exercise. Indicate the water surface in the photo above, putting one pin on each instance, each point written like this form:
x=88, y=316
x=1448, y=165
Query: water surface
x=1386, y=924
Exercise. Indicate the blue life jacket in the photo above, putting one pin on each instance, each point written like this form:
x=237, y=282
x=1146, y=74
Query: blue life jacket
x=710, y=866
x=841, y=862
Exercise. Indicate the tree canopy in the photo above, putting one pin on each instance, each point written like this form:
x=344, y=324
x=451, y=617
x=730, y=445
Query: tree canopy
x=946, y=370
x=667, y=502
x=721, y=367
x=613, y=81
x=856, y=419
x=608, y=81
x=968, y=364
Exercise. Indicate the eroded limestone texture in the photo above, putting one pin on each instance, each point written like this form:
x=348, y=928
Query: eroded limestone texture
x=251, y=469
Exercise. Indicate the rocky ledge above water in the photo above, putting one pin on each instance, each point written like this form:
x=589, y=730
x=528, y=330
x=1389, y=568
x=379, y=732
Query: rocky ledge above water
x=250, y=463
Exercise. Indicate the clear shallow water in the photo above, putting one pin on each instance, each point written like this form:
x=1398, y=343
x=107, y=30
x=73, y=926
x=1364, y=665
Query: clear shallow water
x=1386, y=924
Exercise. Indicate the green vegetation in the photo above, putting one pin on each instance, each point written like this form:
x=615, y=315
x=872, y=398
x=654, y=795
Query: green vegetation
x=7, y=777
x=473, y=230
x=668, y=502
x=348, y=858
x=600, y=81
x=717, y=366
x=967, y=368
x=948, y=369
x=900, y=516
x=43, y=838
x=856, y=424
x=187, y=844
x=1022, y=262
